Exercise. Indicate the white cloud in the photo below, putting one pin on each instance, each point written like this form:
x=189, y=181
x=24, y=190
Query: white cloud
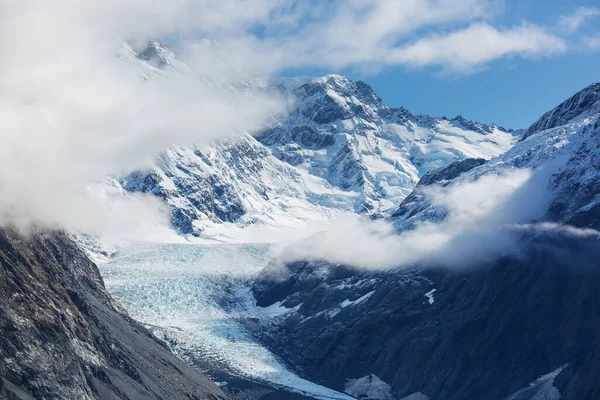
x=592, y=42
x=468, y=49
x=380, y=33
x=481, y=225
x=572, y=23
x=70, y=111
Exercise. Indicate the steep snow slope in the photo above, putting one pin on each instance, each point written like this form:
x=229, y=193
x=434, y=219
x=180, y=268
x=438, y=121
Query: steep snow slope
x=240, y=181
x=340, y=130
x=338, y=149
x=584, y=103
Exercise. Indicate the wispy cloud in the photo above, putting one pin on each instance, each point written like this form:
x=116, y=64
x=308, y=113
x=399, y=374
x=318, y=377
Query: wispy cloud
x=572, y=23
x=592, y=42
x=468, y=49
x=453, y=35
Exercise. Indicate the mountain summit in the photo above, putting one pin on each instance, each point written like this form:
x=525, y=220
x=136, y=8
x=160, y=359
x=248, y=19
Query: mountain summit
x=339, y=149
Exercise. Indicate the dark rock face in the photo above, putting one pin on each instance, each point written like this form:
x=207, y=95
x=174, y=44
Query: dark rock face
x=63, y=337
x=583, y=102
x=578, y=184
x=482, y=334
x=450, y=172
x=474, y=125
x=156, y=54
x=417, y=202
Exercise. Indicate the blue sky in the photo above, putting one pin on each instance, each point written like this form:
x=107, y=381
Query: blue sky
x=511, y=91
x=500, y=61
x=513, y=94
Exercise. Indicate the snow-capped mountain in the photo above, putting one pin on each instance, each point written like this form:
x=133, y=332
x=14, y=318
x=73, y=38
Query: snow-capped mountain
x=338, y=149
x=563, y=142
x=521, y=325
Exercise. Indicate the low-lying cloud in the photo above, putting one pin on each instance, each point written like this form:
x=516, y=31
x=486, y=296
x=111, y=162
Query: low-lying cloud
x=485, y=219
x=74, y=107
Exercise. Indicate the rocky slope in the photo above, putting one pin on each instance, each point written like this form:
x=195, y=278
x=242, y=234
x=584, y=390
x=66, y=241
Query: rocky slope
x=583, y=104
x=485, y=332
x=63, y=337
x=338, y=149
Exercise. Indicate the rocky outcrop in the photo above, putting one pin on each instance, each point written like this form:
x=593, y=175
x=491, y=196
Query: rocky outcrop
x=582, y=103
x=417, y=202
x=473, y=334
x=452, y=171
x=63, y=337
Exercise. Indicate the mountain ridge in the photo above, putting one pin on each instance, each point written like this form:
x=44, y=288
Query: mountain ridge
x=339, y=149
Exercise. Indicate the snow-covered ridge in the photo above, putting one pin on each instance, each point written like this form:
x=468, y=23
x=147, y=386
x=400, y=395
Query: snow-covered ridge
x=339, y=149
x=567, y=153
x=582, y=104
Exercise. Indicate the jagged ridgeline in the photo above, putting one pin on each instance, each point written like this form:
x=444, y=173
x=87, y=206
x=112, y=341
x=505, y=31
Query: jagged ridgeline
x=63, y=337
x=338, y=149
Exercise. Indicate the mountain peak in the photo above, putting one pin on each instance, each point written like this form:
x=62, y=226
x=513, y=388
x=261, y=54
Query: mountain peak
x=156, y=54
x=335, y=97
x=482, y=128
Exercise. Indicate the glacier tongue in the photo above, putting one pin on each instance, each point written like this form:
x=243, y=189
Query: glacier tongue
x=191, y=294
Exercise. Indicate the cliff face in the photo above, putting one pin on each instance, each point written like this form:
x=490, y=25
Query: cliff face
x=480, y=333
x=63, y=337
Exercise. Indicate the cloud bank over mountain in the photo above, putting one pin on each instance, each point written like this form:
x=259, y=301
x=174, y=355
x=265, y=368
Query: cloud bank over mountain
x=74, y=106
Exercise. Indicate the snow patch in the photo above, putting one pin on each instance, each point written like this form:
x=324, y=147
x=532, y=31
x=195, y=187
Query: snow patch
x=347, y=302
x=276, y=309
x=369, y=387
x=541, y=389
x=429, y=296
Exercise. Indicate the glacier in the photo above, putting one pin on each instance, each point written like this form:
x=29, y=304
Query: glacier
x=192, y=295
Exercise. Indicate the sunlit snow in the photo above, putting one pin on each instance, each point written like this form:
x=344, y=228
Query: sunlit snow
x=429, y=296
